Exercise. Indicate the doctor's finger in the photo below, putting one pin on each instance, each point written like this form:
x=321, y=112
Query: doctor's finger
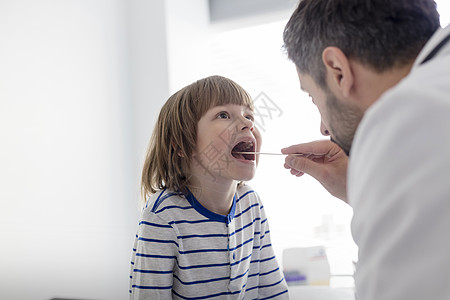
x=294, y=171
x=317, y=148
x=304, y=165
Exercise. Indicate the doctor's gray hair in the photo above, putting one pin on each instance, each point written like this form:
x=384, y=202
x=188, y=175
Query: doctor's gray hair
x=381, y=34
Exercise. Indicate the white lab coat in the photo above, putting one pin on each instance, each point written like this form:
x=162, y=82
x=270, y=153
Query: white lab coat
x=399, y=186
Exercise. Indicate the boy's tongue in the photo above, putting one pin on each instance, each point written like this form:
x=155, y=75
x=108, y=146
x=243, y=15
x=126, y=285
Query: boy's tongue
x=242, y=147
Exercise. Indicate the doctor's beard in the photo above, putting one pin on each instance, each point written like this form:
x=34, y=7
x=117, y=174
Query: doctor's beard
x=343, y=122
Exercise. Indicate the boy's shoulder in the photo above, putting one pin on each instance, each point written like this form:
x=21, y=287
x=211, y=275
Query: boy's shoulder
x=164, y=199
x=246, y=192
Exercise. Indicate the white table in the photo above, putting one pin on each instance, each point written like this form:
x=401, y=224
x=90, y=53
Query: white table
x=320, y=293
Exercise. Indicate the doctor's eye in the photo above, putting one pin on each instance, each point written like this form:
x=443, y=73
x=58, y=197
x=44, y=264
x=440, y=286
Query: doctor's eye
x=223, y=115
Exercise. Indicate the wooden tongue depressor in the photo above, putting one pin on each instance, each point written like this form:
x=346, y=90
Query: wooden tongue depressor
x=269, y=153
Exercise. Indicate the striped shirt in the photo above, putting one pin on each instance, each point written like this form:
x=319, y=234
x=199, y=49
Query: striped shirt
x=184, y=251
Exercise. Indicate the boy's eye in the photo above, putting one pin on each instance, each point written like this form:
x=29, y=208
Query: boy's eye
x=223, y=115
x=250, y=117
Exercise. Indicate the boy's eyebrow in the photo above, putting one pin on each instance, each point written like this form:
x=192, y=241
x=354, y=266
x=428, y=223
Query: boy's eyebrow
x=218, y=108
x=249, y=109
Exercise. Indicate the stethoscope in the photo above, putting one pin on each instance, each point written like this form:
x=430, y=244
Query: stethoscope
x=436, y=49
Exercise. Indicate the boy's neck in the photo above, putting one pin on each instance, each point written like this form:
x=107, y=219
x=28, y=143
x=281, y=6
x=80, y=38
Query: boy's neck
x=217, y=197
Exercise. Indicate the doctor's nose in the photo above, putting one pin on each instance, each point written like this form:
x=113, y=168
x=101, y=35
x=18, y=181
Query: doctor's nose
x=323, y=129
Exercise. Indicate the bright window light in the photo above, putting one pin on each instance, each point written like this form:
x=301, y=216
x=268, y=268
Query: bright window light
x=443, y=7
x=301, y=213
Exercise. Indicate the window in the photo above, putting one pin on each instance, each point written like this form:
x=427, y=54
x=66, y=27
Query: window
x=300, y=211
x=443, y=7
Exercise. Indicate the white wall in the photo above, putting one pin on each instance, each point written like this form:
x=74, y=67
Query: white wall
x=149, y=66
x=76, y=112
x=188, y=34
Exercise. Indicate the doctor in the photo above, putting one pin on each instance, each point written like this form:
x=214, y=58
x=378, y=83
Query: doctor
x=379, y=73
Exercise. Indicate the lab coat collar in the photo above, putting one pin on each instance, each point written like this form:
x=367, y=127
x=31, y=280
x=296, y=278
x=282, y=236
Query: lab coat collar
x=432, y=43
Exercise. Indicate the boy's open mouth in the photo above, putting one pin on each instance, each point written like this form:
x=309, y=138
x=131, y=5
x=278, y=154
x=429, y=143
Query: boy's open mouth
x=245, y=146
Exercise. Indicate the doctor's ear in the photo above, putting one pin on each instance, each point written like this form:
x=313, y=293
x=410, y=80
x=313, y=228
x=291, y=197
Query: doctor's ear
x=338, y=71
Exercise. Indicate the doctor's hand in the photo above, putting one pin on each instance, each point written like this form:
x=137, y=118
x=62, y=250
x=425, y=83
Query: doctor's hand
x=323, y=160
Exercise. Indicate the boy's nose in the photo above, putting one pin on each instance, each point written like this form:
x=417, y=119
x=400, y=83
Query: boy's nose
x=246, y=124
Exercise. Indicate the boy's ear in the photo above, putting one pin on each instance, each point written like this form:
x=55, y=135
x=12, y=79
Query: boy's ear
x=338, y=70
x=177, y=150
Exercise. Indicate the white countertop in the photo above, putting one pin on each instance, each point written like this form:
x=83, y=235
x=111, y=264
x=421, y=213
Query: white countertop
x=320, y=293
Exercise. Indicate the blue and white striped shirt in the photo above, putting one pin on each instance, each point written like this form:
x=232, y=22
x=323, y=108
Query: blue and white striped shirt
x=184, y=251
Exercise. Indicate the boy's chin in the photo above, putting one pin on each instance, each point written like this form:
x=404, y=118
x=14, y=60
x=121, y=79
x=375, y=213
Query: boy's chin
x=246, y=177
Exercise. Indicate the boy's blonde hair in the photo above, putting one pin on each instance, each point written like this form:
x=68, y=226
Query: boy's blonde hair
x=175, y=134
